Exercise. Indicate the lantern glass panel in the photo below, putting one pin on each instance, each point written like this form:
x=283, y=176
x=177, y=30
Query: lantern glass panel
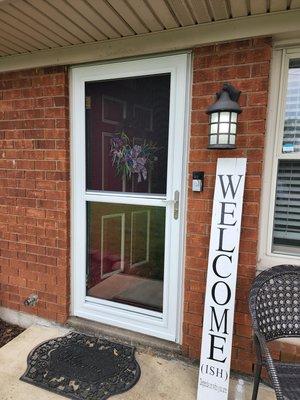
x=214, y=117
x=224, y=127
x=224, y=116
x=233, y=128
x=213, y=139
x=214, y=128
x=223, y=139
x=233, y=117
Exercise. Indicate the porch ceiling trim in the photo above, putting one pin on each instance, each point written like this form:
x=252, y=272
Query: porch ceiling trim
x=177, y=39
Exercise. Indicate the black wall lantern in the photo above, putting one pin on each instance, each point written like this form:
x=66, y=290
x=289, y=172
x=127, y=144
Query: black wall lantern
x=223, y=118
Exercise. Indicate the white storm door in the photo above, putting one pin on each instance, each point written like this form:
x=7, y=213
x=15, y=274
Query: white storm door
x=128, y=152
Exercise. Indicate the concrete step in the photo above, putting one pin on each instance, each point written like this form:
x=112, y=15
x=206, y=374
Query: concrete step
x=144, y=343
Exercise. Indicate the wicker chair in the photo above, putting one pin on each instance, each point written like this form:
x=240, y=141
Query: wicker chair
x=275, y=310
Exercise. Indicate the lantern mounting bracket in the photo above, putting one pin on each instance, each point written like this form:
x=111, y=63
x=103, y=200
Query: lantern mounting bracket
x=234, y=93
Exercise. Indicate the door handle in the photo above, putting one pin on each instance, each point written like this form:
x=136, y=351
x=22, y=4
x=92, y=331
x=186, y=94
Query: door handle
x=176, y=204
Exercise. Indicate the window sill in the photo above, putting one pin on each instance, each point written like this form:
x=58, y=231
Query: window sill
x=267, y=261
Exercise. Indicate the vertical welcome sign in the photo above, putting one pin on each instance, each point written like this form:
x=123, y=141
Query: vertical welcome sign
x=221, y=279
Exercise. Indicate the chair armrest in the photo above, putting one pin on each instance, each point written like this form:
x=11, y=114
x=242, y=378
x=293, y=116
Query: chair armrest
x=269, y=363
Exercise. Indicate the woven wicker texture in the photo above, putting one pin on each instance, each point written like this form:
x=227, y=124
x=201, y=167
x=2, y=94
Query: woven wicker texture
x=275, y=311
x=277, y=306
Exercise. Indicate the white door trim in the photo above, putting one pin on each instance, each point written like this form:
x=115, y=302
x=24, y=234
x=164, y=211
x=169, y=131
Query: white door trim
x=166, y=325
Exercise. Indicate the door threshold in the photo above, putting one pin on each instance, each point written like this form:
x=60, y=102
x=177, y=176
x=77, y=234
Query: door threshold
x=143, y=343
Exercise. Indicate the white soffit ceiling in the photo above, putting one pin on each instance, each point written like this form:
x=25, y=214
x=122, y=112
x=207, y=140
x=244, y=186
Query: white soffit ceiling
x=28, y=26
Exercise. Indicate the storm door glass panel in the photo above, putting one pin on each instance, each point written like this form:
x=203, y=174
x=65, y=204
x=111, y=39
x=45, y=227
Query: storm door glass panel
x=125, y=254
x=127, y=123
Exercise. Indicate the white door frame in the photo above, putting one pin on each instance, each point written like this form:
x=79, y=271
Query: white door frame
x=166, y=325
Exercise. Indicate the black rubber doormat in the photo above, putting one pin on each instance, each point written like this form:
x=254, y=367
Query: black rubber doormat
x=82, y=367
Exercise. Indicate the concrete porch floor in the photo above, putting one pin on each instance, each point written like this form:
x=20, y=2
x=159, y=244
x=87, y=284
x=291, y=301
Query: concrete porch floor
x=160, y=378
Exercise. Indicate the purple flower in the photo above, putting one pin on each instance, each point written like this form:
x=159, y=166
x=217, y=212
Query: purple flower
x=129, y=159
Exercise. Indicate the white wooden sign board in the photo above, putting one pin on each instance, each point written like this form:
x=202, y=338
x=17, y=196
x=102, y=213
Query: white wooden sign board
x=218, y=319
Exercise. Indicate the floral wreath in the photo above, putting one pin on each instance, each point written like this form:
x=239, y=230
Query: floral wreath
x=129, y=159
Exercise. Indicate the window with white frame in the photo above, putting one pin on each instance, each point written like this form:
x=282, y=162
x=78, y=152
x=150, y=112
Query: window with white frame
x=285, y=232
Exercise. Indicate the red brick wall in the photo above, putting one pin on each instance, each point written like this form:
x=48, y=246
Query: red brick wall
x=34, y=191
x=246, y=65
x=35, y=187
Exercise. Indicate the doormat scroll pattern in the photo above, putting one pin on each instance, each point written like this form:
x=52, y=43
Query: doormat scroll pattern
x=82, y=367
